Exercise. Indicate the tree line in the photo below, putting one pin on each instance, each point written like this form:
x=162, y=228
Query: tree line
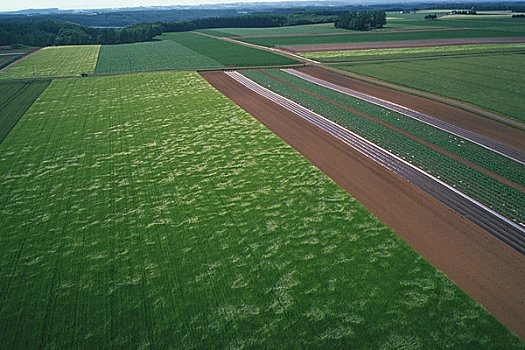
x=363, y=20
x=48, y=33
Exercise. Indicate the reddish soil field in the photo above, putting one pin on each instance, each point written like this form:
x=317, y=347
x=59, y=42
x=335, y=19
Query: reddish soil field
x=399, y=44
x=344, y=33
x=483, y=266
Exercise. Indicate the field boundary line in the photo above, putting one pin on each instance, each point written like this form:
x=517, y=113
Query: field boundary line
x=482, y=141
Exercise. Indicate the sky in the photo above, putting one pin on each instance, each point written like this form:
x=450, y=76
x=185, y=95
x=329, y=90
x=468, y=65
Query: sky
x=6, y=5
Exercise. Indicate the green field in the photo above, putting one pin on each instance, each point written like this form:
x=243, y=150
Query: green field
x=398, y=21
x=288, y=30
x=410, y=52
x=476, y=154
x=498, y=196
x=55, y=61
x=378, y=36
x=15, y=99
x=158, y=55
x=164, y=216
x=229, y=54
x=495, y=82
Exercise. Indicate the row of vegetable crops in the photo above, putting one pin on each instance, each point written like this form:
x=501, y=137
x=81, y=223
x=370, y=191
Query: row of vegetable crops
x=501, y=197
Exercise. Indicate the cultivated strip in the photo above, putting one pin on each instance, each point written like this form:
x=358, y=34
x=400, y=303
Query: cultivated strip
x=480, y=140
x=501, y=227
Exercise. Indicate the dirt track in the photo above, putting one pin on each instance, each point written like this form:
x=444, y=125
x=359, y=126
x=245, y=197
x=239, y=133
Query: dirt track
x=464, y=119
x=399, y=44
x=491, y=272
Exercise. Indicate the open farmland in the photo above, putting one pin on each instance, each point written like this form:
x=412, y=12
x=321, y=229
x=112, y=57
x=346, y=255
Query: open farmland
x=287, y=30
x=410, y=52
x=227, y=53
x=55, y=61
x=157, y=55
x=15, y=99
x=365, y=37
x=493, y=82
x=166, y=216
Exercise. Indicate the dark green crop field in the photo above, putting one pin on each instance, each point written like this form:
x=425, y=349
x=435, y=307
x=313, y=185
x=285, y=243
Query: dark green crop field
x=378, y=36
x=15, y=99
x=148, y=56
x=229, y=54
x=495, y=82
x=149, y=211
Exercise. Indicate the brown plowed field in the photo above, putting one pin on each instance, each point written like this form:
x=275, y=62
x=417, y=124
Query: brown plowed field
x=487, y=269
x=399, y=44
x=467, y=120
x=345, y=33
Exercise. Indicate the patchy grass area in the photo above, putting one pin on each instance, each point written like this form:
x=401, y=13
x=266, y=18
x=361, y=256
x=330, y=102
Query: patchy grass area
x=495, y=83
x=55, y=62
x=157, y=55
x=148, y=210
x=410, y=52
x=227, y=53
x=15, y=99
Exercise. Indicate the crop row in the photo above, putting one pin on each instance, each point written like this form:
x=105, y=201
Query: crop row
x=500, y=197
x=382, y=37
x=411, y=52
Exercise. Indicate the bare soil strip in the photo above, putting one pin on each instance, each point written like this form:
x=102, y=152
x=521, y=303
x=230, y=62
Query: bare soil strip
x=399, y=44
x=492, y=129
x=415, y=138
x=487, y=269
x=344, y=33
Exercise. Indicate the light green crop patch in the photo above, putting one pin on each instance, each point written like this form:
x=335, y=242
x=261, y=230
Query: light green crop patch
x=55, y=61
x=409, y=52
x=150, y=211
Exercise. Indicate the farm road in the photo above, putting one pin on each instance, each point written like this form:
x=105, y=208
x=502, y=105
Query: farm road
x=486, y=268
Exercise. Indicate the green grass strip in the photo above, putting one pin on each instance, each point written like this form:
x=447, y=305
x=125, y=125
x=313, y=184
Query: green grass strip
x=164, y=214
